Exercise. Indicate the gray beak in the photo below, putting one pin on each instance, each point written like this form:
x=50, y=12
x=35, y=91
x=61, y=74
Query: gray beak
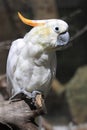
x=63, y=39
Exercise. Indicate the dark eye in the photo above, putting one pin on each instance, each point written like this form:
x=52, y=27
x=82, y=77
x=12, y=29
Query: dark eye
x=56, y=29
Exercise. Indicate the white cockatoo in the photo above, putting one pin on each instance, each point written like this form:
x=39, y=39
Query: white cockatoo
x=31, y=63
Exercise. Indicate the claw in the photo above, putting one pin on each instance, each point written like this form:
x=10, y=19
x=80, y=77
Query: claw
x=30, y=98
x=21, y=95
x=35, y=93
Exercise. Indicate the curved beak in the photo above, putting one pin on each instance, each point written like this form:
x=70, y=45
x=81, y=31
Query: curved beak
x=31, y=22
x=63, y=39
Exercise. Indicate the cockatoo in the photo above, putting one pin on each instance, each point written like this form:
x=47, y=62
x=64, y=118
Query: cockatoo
x=31, y=63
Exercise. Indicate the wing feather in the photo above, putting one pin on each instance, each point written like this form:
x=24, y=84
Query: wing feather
x=13, y=55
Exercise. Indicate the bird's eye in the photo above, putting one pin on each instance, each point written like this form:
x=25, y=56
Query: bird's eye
x=56, y=29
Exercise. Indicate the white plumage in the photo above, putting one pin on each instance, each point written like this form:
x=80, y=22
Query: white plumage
x=31, y=63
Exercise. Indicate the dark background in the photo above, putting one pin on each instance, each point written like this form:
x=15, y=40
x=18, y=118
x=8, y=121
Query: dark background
x=74, y=12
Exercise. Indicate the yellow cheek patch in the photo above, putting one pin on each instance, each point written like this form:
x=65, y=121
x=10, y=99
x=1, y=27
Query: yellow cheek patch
x=43, y=31
x=47, y=31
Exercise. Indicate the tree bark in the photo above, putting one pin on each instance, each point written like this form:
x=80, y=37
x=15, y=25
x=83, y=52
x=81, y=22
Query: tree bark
x=19, y=114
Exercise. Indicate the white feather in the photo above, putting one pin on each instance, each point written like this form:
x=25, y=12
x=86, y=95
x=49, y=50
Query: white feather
x=32, y=73
x=31, y=63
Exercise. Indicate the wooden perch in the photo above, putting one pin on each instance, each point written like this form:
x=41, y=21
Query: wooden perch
x=3, y=88
x=19, y=114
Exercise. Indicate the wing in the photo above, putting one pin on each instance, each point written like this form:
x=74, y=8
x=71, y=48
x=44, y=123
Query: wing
x=53, y=64
x=47, y=82
x=14, y=52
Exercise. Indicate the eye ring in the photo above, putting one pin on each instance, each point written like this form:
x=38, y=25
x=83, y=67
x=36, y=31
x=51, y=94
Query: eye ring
x=56, y=29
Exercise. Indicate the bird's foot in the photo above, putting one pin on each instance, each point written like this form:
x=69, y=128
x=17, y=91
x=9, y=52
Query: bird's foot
x=32, y=99
x=34, y=94
x=20, y=95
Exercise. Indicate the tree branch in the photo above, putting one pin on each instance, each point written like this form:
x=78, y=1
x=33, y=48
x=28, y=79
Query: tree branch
x=20, y=114
x=79, y=33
